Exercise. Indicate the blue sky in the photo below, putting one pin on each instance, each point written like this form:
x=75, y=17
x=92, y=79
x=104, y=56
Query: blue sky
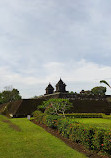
x=41, y=41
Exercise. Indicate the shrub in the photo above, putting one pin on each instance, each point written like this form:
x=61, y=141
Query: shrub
x=55, y=106
x=107, y=142
x=52, y=121
x=38, y=115
x=80, y=133
x=75, y=133
x=98, y=139
x=63, y=124
x=85, y=115
x=92, y=137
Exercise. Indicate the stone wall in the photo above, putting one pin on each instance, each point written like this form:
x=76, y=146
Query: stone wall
x=85, y=103
x=81, y=104
x=75, y=96
x=90, y=106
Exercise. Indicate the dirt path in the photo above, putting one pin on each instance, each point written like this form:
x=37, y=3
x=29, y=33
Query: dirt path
x=12, y=125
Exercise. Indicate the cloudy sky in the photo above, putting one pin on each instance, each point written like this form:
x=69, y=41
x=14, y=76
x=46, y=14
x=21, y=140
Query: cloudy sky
x=43, y=40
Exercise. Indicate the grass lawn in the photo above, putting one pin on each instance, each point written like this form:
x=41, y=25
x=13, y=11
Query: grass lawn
x=98, y=122
x=20, y=138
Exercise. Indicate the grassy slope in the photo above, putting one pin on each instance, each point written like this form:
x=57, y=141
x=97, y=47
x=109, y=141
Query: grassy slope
x=98, y=122
x=31, y=141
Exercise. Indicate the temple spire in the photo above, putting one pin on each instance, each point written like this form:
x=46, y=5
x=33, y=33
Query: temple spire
x=49, y=89
x=60, y=86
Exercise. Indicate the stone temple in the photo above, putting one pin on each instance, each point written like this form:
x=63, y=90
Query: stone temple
x=60, y=87
x=82, y=103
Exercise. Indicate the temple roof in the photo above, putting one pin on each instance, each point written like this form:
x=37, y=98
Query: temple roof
x=49, y=87
x=60, y=83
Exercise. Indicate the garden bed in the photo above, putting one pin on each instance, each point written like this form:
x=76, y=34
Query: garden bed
x=76, y=146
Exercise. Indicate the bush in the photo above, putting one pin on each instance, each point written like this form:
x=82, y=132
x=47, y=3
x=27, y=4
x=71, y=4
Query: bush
x=63, y=125
x=55, y=106
x=38, y=115
x=98, y=138
x=85, y=115
x=92, y=137
x=107, y=142
x=76, y=132
x=52, y=121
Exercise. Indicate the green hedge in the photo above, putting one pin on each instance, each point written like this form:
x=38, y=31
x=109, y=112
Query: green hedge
x=39, y=116
x=92, y=137
x=85, y=115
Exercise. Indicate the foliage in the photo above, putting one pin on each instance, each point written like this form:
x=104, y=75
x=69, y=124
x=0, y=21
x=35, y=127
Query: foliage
x=99, y=90
x=85, y=115
x=107, y=142
x=105, y=82
x=52, y=121
x=1, y=101
x=71, y=92
x=56, y=106
x=34, y=97
x=38, y=115
x=97, y=140
x=91, y=136
x=9, y=95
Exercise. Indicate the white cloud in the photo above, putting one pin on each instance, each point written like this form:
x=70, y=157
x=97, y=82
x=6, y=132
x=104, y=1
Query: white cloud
x=78, y=75
x=41, y=41
x=78, y=71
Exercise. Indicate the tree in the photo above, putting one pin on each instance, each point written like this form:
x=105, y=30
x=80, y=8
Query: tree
x=56, y=106
x=103, y=81
x=99, y=90
x=9, y=95
x=71, y=92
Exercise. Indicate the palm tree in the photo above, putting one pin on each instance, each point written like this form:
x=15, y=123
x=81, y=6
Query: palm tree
x=103, y=81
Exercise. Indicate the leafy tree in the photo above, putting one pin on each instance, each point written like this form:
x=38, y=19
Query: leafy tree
x=56, y=106
x=34, y=97
x=103, y=81
x=99, y=90
x=1, y=98
x=71, y=92
x=9, y=95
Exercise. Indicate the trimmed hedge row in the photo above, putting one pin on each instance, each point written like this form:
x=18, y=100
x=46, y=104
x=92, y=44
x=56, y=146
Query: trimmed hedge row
x=85, y=115
x=92, y=137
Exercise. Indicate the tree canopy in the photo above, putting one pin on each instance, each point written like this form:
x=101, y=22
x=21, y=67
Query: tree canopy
x=56, y=106
x=99, y=90
x=9, y=96
x=103, y=81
